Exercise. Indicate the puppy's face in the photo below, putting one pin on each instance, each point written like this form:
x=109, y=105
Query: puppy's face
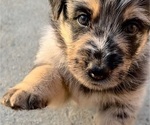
x=103, y=37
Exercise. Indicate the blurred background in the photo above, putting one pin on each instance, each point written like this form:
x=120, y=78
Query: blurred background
x=21, y=23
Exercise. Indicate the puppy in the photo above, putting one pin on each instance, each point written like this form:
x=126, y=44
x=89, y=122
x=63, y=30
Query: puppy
x=95, y=52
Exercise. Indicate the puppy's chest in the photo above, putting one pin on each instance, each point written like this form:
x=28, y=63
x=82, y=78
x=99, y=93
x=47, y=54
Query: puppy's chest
x=92, y=99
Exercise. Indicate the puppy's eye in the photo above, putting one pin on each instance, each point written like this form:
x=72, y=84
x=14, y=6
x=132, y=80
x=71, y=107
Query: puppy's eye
x=83, y=20
x=132, y=29
x=133, y=26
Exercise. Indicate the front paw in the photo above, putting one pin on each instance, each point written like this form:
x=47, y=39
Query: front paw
x=19, y=99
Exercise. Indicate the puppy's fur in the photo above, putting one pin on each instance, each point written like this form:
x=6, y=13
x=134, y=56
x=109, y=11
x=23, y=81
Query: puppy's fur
x=109, y=35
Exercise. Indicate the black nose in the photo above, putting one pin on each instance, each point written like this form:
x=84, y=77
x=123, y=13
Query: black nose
x=98, y=73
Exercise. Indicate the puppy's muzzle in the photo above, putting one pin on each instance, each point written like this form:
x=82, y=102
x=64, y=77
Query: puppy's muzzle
x=101, y=71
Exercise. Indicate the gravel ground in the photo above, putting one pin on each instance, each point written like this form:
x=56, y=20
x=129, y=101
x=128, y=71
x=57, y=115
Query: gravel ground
x=21, y=22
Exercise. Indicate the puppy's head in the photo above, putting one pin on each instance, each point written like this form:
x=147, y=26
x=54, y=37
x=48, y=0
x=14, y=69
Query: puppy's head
x=103, y=37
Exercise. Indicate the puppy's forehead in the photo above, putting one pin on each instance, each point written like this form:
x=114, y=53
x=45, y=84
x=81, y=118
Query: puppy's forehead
x=94, y=5
x=111, y=7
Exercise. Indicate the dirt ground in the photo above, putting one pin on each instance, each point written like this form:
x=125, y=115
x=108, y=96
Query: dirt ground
x=21, y=23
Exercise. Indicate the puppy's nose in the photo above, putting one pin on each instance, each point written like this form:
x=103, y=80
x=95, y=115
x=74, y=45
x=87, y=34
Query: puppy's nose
x=98, y=73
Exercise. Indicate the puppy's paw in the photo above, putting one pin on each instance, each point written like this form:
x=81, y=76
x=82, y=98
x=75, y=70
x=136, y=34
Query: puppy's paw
x=19, y=99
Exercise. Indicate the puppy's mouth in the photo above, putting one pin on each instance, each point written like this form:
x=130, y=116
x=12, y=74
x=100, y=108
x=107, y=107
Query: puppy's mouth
x=96, y=78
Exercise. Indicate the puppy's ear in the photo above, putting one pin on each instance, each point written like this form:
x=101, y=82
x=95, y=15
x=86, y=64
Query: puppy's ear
x=57, y=7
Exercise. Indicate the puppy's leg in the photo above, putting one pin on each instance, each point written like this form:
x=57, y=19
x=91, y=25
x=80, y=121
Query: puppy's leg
x=43, y=85
x=116, y=115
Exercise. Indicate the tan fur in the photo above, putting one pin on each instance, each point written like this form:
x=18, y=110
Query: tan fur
x=94, y=5
x=66, y=32
x=134, y=12
x=143, y=43
x=55, y=79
